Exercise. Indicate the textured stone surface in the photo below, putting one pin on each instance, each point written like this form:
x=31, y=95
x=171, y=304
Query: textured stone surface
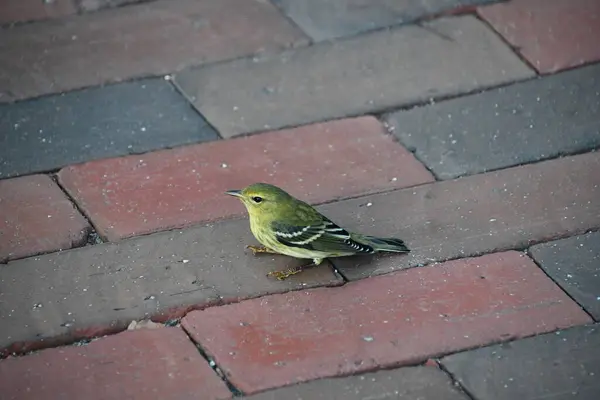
x=328, y=19
x=391, y=320
x=134, y=117
x=551, y=34
x=93, y=5
x=509, y=209
x=418, y=383
x=162, y=190
x=29, y=10
x=97, y=289
x=574, y=264
x=380, y=70
x=147, y=363
x=36, y=217
x=518, y=124
x=151, y=38
x=562, y=365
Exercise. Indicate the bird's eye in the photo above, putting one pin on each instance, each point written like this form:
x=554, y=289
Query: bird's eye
x=257, y=199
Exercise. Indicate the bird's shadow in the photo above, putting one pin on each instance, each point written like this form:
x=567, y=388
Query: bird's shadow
x=363, y=266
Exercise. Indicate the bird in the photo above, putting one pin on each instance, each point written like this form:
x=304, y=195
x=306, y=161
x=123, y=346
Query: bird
x=286, y=225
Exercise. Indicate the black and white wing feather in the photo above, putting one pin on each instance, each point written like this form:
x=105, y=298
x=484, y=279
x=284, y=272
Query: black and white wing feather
x=325, y=236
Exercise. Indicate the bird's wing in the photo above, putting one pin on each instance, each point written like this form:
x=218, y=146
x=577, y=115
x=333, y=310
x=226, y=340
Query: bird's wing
x=324, y=236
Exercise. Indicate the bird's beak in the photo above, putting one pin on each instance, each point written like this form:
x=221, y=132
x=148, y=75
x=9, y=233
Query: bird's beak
x=236, y=193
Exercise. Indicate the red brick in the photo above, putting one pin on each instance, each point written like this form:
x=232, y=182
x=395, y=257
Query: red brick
x=29, y=10
x=551, y=34
x=36, y=218
x=397, y=319
x=178, y=187
x=143, y=364
x=139, y=40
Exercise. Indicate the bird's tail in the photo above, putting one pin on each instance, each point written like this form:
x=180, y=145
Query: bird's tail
x=385, y=244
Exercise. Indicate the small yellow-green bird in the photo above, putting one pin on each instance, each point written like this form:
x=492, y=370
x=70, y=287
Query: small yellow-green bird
x=286, y=225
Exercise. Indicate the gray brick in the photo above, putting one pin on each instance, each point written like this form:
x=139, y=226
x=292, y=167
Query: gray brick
x=574, y=263
x=509, y=209
x=521, y=123
x=51, y=132
x=564, y=365
x=329, y=19
x=86, y=292
x=417, y=383
x=94, y=5
x=351, y=77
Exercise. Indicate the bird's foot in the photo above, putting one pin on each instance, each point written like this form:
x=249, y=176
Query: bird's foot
x=260, y=249
x=281, y=275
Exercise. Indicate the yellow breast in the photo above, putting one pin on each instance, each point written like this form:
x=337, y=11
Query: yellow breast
x=261, y=232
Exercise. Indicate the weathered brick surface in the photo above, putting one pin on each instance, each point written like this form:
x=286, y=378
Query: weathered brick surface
x=551, y=34
x=380, y=70
x=443, y=220
x=96, y=289
x=28, y=10
x=328, y=19
x=36, y=217
x=397, y=319
x=147, y=363
x=152, y=38
x=573, y=263
x=563, y=365
x=418, y=383
x=134, y=117
x=518, y=124
x=93, y=5
x=509, y=209
x=157, y=191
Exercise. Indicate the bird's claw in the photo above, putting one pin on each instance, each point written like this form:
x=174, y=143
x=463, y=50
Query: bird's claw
x=282, y=275
x=258, y=249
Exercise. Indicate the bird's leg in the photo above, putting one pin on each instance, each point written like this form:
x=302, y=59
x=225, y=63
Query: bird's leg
x=260, y=249
x=281, y=275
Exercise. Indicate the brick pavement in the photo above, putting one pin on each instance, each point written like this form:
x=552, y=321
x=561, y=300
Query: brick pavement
x=551, y=34
x=46, y=134
x=559, y=365
x=156, y=363
x=117, y=44
x=15, y=11
x=37, y=218
x=137, y=194
x=340, y=18
x=386, y=321
x=468, y=128
x=380, y=72
x=573, y=264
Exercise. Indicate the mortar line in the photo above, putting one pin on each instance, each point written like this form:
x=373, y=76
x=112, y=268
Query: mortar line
x=514, y=49
x=94, y=228
x=213, y=364
x=455, y=381
x=190, y=103
x=563, y=289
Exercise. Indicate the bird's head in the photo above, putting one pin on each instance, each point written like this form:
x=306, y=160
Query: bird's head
x=262, y=198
